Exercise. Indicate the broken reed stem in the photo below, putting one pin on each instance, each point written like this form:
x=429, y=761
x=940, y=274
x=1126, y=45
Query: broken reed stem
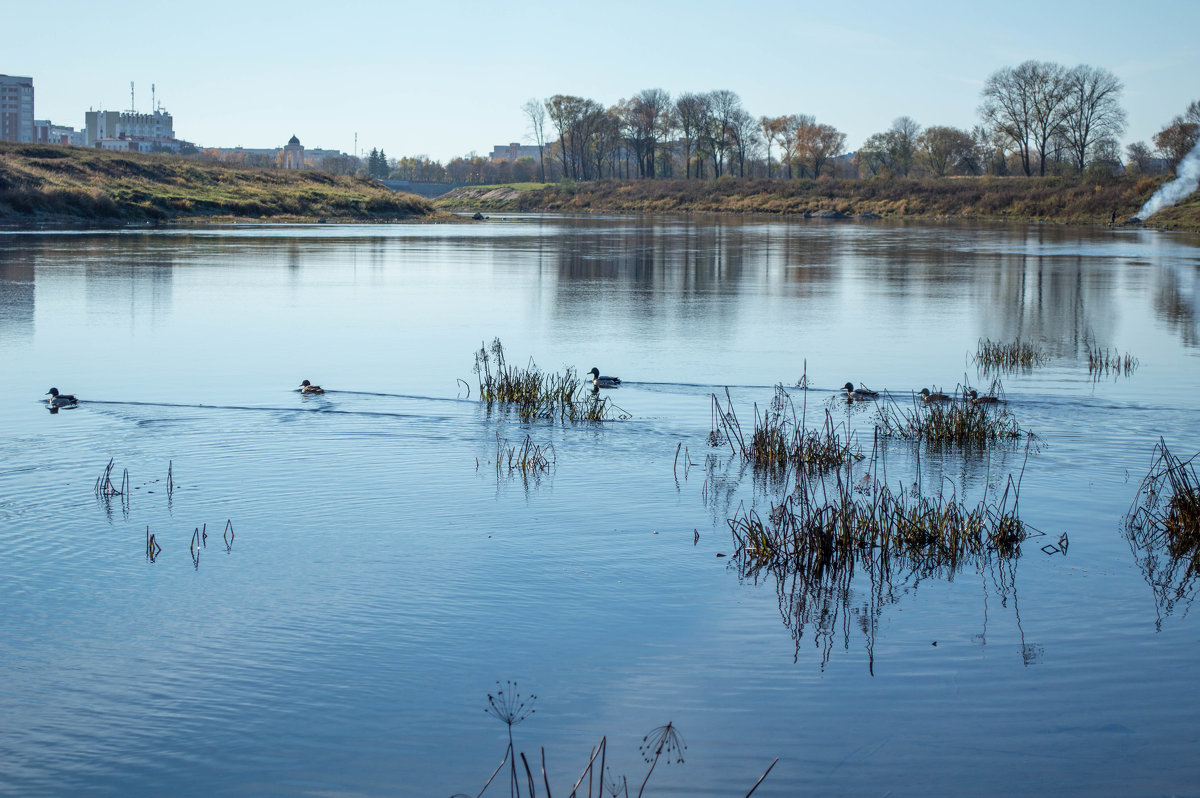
x=227, y=535
x=587, y=770
x=762, y=777
x=170, y=478
x=104, y=485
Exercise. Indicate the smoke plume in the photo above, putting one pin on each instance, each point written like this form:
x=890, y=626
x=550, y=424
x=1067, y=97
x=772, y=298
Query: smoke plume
x=1185, y=182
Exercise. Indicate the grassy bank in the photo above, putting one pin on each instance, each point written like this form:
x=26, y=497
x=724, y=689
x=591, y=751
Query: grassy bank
x=1062, y=200
x=54, y=184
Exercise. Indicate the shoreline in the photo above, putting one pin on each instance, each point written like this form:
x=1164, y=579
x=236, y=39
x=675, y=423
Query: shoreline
x=1067, y=201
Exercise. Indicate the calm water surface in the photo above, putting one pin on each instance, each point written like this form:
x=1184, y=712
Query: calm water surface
x=384, y=576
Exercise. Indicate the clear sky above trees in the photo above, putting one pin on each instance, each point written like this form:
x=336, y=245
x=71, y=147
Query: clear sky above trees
x=449, y=77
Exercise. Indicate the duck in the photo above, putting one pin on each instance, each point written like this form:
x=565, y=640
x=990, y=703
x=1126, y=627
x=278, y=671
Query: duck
x=858, y=394
x=603, y=382
x=308, y=387
x=927, y=397
x=61, y=399
x=976, y=399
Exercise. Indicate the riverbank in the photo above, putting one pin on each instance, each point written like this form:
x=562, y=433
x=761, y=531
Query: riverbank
x=1056, y=200
x=47, y=185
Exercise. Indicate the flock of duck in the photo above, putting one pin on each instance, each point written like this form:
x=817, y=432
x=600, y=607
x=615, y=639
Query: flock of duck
x=864, y=394
x=853, y=394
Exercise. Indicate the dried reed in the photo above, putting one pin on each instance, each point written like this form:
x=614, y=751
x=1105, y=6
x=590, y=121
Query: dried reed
x=1103, y=362
x=535, y=394
x=528, y=458
x=780, y=438
x=104, y=484
x=949, y=422
x=1164, y=519
x=997, y=356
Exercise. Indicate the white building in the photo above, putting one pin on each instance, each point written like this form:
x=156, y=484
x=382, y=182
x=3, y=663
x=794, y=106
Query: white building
x=128, y=131
x=46, y=132
x=16, y=108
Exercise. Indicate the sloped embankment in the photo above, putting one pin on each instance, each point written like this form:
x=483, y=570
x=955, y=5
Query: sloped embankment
x=1074, y=200
x=50, y=184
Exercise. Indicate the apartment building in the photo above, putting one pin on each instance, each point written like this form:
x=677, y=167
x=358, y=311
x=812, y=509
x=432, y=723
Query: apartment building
x=16, y=108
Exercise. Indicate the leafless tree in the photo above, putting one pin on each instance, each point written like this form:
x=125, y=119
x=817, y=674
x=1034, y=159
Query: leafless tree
x=1027, y=105
x=536, y=113
x=1138, y=158
x=1093, y=110
x=691, y=114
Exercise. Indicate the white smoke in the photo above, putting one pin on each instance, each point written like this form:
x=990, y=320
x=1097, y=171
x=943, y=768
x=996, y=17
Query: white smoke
x=1185, y=182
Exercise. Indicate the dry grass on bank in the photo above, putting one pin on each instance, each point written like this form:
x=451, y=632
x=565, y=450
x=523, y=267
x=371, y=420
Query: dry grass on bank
x=1077, y=200
x=47, y=183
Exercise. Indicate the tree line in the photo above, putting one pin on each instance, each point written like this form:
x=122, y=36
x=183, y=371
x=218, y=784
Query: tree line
x=1035, y=119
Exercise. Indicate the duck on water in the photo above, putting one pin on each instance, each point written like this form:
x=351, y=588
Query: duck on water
x=599, y=381
x=60, y=399
x=859, y=394
x=308, y=387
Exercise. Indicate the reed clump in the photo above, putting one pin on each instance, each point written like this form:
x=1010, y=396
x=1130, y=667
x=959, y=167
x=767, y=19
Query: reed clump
x=528, y=457
x=1003, y=356
x=1103, y=362
x=957, y=422
x=780, y=439
x=536, y=394
x=1166, y=512
x=827, y=526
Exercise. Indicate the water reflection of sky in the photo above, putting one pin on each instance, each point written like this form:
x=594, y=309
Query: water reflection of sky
x=384, y=576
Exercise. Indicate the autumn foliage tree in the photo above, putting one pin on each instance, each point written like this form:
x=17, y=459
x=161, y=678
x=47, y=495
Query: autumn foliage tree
x=816, y=145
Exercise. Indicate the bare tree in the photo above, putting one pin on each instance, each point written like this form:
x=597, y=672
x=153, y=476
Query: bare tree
x=1093, y=110
x=723, y=105
x=1027, y=105
x=691, y=113
x=903, y=135
x=645, y=121
x=1139, y=159
x=536, y=113
x=743, y=133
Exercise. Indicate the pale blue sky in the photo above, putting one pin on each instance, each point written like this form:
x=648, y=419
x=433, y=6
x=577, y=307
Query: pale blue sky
x=445, y=78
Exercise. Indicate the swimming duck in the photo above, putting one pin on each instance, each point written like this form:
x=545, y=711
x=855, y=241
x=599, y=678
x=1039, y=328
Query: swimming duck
x=927, y=397
x=976, y=399
x=858, y=394
x=308, y=387
x=60, y=400
x=603, y=382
